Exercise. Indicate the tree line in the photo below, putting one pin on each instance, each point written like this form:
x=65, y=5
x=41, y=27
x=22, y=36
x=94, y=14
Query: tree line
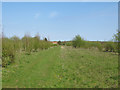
x=28, y=44
x=108, y=46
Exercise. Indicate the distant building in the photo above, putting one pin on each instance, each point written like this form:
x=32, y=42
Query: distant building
x=54, y=42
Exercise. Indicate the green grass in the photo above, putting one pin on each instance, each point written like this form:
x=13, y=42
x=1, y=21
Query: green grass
x=32, y=71
x=88, y=68
x=62, y=68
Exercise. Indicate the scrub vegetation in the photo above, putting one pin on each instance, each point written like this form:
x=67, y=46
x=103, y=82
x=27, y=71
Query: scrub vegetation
x=27, y=45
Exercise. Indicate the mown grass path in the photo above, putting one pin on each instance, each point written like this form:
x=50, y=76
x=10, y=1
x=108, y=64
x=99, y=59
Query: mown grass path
x=36, y=70
x=63, y=67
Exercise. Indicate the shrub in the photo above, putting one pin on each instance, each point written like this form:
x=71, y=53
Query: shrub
x=116, y=39
x=36, y=44
x=78, y=41
x=44, y=44
x=27, y=44
x=68, y=44
x=63, y=43
x=12, y=45
x=109, y=47
x=59, y=42
x=16, y=43
x=8, y=52
x=99, y=46
x=116, y=47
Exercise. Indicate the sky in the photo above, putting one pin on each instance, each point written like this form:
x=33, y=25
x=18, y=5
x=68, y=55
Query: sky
x=93, y=21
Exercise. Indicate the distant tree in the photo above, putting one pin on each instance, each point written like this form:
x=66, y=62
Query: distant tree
x=68, y=43
x=45, y=39
x=36, y=41
x=27, y=43
x=78, y=41
x=59, y=42
x=16, y=43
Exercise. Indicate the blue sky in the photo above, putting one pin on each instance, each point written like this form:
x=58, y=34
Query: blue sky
x=61, y=21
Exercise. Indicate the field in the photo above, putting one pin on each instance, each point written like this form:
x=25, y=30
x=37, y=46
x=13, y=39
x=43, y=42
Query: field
x=62, y=67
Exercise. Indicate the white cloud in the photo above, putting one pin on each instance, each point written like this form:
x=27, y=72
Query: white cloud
x=36, y=16
x=53, y=14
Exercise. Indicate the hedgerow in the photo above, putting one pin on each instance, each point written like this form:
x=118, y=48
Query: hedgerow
x=110, y=46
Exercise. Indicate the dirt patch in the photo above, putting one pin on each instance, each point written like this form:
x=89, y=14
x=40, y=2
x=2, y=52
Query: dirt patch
x=62, y=47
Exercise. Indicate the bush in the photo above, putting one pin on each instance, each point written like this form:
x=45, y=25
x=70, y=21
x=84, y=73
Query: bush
x=68, y=44
x=10, y=46
x=16, y=43
x=27, y=44
x=116, y=47
x=8, y=51
x=109, y=47
x=36, y=44
x=78, y=41
x=93, y=44
x=99, y=46
x=59, y=42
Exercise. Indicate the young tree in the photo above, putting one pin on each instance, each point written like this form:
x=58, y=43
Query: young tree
x=27, y=43
x=36, y=42
x=16, y=43
x=45, y=39
x=59, y=42
x=78, y=41
x=8, y=52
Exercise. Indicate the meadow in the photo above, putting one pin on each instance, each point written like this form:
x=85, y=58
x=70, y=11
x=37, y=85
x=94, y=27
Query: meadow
x=59, y=44
x=32, y=62
x=63, y=67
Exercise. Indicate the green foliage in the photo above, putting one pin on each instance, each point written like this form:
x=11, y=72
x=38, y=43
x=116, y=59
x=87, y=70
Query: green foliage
x=68, y=43
x=63, y=43
x=110, y=46
x=116, y=39
x=78, y=41
x=116, y=36
x=59, y=42
x=8, y=51
x=92, y=44
x=13, y=45
x=16, y=43
x=44, y=45
x=36, y=44
x=54, y=45
x=27, y=44
x=45, y=39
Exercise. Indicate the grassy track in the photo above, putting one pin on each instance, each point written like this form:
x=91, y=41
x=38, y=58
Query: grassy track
x=63, y=67
x=36, y=70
